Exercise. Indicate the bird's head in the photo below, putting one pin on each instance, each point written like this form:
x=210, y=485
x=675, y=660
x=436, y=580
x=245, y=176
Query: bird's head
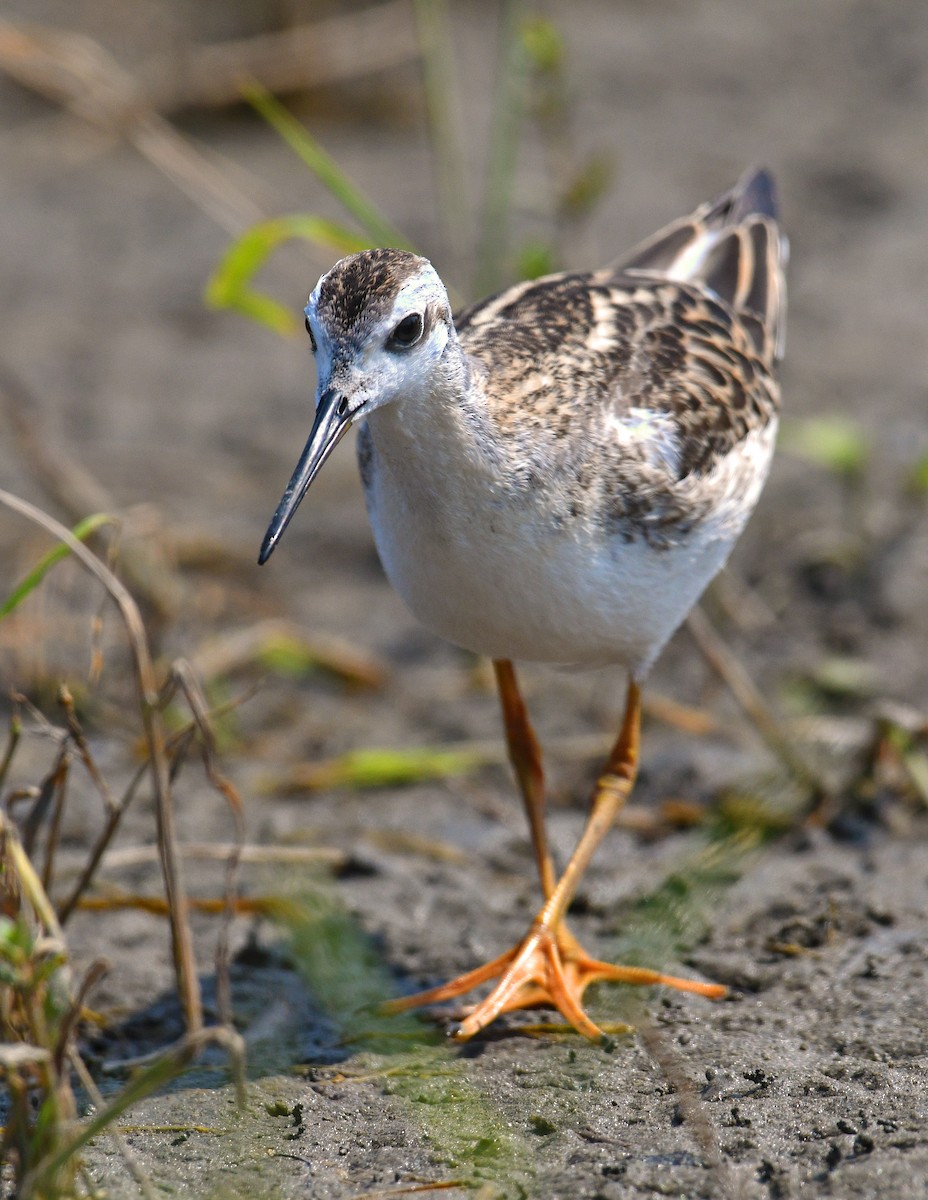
x=379, y=323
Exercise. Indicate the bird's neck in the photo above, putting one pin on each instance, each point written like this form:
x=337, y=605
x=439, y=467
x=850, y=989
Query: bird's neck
x=442, y=422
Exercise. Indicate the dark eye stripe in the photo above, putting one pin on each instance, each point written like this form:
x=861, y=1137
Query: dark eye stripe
x=312, y=338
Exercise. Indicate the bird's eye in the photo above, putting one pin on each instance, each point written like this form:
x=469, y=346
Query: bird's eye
x=407, y=332
x=312, y=336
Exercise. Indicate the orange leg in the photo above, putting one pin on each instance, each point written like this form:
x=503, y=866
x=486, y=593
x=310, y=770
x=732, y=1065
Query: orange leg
x=549, y=967
x=525, y=756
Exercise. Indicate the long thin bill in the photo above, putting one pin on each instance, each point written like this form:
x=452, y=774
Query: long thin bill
x=328, y=429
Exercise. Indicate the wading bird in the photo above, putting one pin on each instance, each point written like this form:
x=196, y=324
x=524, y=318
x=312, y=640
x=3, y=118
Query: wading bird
x=555, y=476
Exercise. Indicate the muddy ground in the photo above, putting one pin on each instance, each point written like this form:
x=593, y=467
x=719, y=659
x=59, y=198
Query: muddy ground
x=810, y=1079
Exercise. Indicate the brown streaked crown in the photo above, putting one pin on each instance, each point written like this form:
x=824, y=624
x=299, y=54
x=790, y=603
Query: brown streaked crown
x=361, y=289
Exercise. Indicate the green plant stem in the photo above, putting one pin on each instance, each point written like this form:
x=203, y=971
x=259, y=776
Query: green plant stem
x=444, y=110
x=229, y=286
x=509, y=111
x=81, y=531
x=165, y=1068
x=325, y=168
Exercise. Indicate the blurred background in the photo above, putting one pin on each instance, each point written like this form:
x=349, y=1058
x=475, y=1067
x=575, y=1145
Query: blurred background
x=501, y=139
x=615, y=119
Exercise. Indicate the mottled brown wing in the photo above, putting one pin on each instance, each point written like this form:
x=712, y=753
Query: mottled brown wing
x=734, y=246
x=565, y=353
x=684, y=333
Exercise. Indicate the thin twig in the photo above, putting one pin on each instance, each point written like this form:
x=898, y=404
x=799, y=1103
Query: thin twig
x=66, y=700
x=176, y=747
x=110, y=825
x=54, y=832
x=92, y=977
x=12, y=741
x=48, y=789
x=101, y=845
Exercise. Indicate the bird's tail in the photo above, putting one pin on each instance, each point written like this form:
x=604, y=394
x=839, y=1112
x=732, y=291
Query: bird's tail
x=734, y=246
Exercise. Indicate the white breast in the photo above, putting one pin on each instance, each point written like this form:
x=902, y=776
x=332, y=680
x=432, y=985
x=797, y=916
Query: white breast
x=502, y=580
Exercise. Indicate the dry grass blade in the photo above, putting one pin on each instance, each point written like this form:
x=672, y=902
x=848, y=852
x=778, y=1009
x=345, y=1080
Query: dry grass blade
x=78, y=73
x=752, y=702
x=66, y=700
x=176, y=748
x=63, y=480
x=75, y=491
x=39, y=1009
x=159, y=907
x=414, y=1189
x=302, y=856
x=114, y=809
x=314, y=55
x=182, y=944
x=284, y=645
x=183, y=678
x=695, y=721
x=89, y=870
x=54, y=830
x=30, y=884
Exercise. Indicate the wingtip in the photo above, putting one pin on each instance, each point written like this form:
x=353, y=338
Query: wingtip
x=756, y=194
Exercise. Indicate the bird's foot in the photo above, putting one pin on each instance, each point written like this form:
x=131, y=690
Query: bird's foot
x=549, y=968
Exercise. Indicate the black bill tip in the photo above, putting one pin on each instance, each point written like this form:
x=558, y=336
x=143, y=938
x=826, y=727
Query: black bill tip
x=332, y=422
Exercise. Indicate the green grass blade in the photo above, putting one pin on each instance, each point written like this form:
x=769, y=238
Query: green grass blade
x=151, y=1079
x=325, y=168
x=918, y=477
x=384, y=767
x=836, y=443
x=379, y=767
x=509, y=109
x=230, y=284
x=444, y=107
x=82, y=530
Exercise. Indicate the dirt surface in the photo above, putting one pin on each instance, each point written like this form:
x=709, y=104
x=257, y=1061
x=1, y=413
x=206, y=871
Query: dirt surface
x=810, y=1079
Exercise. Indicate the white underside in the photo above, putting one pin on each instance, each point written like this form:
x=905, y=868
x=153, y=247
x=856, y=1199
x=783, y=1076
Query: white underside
x=501, y=581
